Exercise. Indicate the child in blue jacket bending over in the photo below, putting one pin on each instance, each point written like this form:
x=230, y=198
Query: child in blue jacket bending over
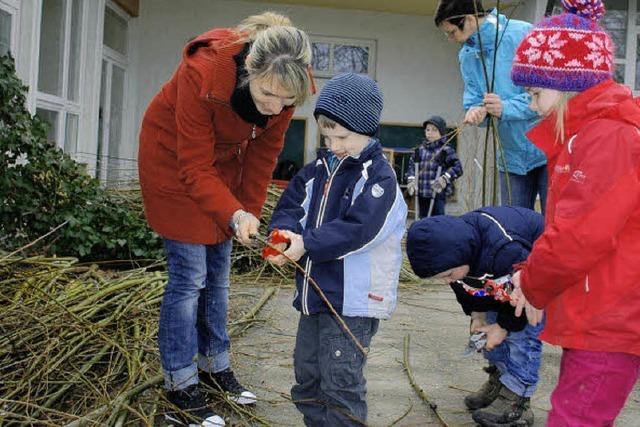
x=487, y=242
x=344, y=215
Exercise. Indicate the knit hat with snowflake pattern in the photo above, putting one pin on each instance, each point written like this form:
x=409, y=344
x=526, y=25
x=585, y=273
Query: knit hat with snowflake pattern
x=567, y=52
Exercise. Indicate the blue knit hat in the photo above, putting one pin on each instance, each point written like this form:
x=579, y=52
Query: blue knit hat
x=352, y=100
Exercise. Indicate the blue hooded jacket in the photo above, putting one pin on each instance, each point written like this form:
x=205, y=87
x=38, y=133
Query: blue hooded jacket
x=490, y=240
x=517, y=118
x=352, y=219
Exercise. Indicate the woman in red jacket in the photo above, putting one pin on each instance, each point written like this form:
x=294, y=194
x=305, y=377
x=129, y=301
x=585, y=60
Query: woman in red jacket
x=208, y=146
x=584, y=270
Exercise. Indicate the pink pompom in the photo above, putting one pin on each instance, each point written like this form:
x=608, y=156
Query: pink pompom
x=589, y=9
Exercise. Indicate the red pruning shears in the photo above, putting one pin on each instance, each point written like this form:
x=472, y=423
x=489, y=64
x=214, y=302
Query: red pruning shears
x=275, y=238
x=500, y=288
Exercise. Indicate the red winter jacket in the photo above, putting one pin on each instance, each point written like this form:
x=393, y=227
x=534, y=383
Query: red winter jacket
x=585, y=268
x=198, y=160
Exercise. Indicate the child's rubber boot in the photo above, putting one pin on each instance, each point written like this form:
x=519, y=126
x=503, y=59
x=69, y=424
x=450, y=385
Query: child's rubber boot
x=508, y=409
x=487, y=393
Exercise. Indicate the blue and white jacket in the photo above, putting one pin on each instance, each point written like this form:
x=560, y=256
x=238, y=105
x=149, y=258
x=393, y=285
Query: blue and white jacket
x=352, y=220
x=520, y=155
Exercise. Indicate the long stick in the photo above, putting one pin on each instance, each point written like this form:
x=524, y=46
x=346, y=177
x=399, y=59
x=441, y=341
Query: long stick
x=34, y=242
x=416, y=387
x=323, y=297
x=433, y=195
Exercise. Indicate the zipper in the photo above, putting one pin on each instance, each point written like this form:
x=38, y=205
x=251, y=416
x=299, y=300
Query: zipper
x=321, y=212
x=253, y=132
x=586, y=284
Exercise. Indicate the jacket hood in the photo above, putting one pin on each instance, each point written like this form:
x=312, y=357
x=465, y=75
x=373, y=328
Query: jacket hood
x=440, y=243
x=607, y=100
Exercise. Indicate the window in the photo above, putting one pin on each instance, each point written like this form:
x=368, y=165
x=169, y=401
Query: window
x=5, y=32
x=112, y=166
x=59, y=65
x=333, y=56
x=8, y=26
x=622, y=22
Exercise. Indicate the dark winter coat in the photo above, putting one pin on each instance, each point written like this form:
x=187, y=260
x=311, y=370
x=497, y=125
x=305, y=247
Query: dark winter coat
x=490, y=240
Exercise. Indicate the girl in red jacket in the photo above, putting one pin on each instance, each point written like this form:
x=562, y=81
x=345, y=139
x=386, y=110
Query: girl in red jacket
x=208, y=146
x=584, y=270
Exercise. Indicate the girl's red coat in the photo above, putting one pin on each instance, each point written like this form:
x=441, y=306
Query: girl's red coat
x=585, y=268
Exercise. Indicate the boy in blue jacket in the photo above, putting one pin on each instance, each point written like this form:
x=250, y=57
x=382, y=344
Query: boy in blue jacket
x=345, y=216
x=508, y=103
x=487, y=242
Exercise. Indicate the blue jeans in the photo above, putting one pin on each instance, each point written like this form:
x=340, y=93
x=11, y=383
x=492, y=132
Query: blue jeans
x=518, y=358
x=193, y=315
x=330, y=387
x=525, y=188
x=438, y=205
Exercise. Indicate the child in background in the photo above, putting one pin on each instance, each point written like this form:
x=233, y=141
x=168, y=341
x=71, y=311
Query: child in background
x=345, y=217
x=433, y=188
x=488, y=241
x=584, y=270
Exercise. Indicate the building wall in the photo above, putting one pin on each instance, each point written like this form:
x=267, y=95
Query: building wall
x=415, y=66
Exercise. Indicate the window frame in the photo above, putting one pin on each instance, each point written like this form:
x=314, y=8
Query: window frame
x=371, y=44
x=112, y=58
x=61, y=103
x=12, y=7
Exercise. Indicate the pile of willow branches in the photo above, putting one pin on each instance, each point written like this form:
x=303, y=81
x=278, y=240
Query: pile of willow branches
x=78, y=345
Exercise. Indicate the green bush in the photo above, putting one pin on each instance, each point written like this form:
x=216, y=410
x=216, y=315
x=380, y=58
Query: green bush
x=42, y=187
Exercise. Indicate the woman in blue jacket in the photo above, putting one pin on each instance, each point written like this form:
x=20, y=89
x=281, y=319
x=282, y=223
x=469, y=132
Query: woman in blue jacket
x=522, y=163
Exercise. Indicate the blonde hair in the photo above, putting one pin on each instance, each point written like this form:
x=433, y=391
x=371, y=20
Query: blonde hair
x=326, y=123
x=561, y=109
x=279, y=52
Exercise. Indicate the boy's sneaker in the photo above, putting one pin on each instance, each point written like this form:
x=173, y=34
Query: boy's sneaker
x=226, y=381
x=488, y=391
x=508, y=409
x=192, y=409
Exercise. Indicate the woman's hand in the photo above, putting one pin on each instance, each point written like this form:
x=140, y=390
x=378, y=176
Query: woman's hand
x=519, y=301
x=244, y=225
x=475, y=115
x=495, y=335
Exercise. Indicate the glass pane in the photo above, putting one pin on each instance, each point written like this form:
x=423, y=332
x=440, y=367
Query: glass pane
x=101, y=118
x=51, y=117
x=71, y=133
x=115, y=122
x=618, y=73
x=353, y=59
x=115, y=31
x=51, y=47
x=5, y=32
x=74, y=53
x=320, y=61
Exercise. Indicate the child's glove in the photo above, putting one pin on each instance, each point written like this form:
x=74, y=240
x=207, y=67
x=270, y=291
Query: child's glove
x=296, y=249
x=411, y=186
x=439, y=184
x=274, y=253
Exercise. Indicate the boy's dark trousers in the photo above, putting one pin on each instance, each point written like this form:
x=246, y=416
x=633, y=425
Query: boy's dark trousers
x=438, y=205
x=331, y=388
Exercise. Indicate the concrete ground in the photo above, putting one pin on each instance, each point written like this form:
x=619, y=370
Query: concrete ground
x=438, y=330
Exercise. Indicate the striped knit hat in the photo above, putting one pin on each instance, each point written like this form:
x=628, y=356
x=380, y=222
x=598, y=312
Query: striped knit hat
x=568, y=52
x=353, y=101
